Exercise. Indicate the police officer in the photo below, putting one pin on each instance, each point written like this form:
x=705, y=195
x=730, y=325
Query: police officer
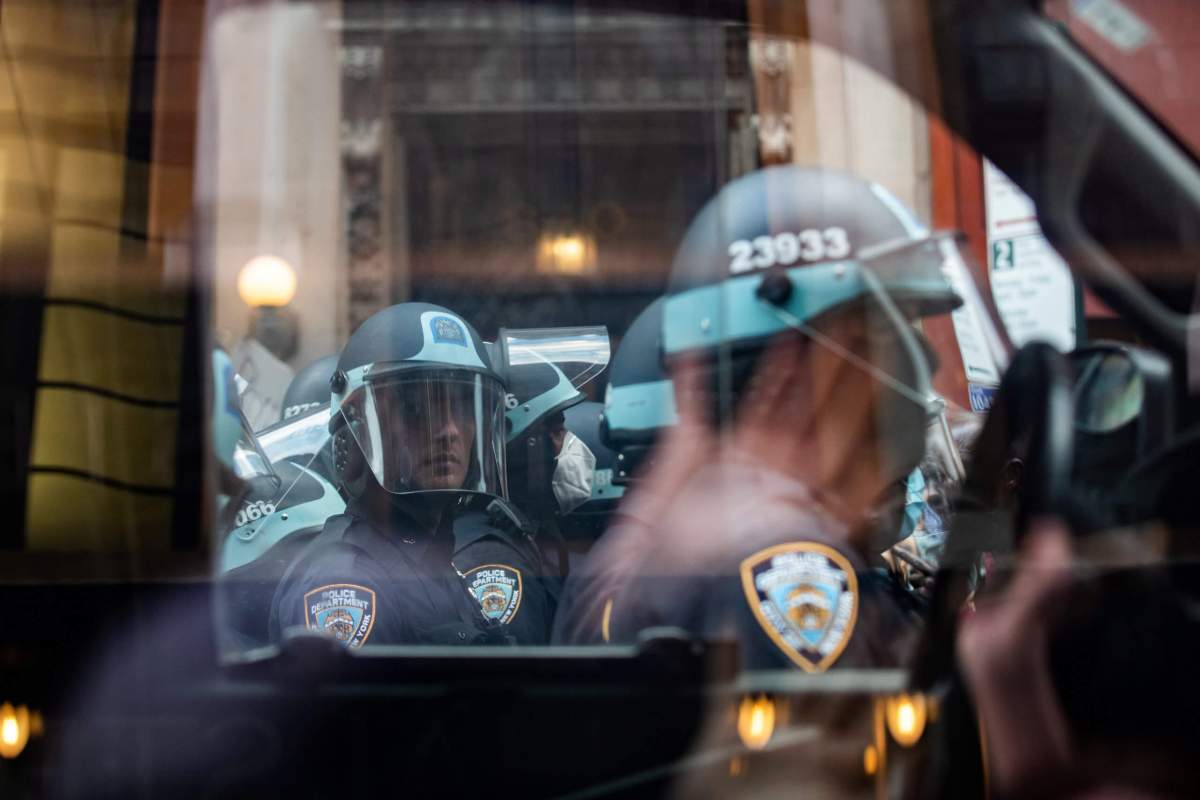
x=518, y=544
x=789, y=315
x=583, y=525
x=417, y=425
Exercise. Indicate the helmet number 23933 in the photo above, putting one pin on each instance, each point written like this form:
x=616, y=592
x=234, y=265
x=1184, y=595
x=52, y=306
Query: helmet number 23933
x=763, y=252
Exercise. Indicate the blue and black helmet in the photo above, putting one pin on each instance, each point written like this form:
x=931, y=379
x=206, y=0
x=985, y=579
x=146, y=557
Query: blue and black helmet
x=639, y=402
x=417, y=407
x=405, y=337
x=536, y=391
x=544, y=371
x=309, y=389
x=262, y=534
x=788, y=244
x=828, y=263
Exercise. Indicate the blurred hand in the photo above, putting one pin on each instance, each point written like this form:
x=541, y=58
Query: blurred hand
x=1003, y=653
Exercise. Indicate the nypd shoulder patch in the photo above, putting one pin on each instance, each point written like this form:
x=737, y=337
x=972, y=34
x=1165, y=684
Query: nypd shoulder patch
x=344, y=611
x=805, y=596
x=498, y=589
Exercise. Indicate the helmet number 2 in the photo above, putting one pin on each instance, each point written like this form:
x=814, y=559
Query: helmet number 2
x=763, y=252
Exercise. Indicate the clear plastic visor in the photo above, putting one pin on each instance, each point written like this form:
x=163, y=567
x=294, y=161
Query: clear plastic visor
x=906, y=286
x=299, y=440
x=249, y=460
x=430, y=431
x=581, y=352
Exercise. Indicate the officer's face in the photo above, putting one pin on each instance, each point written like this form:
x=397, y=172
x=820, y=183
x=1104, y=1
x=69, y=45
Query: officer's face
x=556, y=432
x=434, y=428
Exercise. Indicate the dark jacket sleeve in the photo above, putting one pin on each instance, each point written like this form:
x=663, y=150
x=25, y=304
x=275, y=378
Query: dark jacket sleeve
x=509, y=587
x=339, y=591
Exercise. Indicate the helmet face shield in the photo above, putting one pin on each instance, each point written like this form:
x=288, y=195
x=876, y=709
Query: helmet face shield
x=297, y=439
x=249, y=461
x=863, y=369
x=546, y=368
x=580, y=353
x=914, y=272
x=430, y=430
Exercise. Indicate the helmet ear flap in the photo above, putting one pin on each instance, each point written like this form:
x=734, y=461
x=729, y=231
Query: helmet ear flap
x=347, y=457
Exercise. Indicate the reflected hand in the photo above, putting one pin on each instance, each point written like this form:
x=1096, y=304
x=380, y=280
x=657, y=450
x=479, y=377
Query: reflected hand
x=1003, y=649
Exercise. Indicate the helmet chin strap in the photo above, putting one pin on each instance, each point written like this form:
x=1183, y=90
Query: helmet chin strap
x=922, y=397
x=853, y=358
x=376, y=504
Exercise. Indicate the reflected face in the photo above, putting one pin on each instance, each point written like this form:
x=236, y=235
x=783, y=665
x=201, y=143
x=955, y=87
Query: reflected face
x=867, y=426
x=434, y=425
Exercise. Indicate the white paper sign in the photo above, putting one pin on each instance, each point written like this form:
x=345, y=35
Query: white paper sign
x=267, y=379
x=1031, y=284
x=1113, y=20
x=973, y=343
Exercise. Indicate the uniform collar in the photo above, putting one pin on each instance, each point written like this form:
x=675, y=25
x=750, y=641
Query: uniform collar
x=417, y=531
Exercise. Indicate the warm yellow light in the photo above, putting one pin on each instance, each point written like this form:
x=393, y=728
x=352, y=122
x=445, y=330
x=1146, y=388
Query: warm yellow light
x=870, y=760
x=566, y=254
x=14, y=730
x=569, y=248
x=266, y=281
x=756, y=721
x=906, y=716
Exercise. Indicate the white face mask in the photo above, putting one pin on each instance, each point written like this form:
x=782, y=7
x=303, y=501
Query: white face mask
x=573, y=472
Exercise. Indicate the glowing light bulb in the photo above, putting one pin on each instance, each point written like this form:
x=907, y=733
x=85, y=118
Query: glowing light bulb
x=569, y=248
x=870, y=760
x=906, y=715
x=756, y=721
x=266, y=281
x=566, y=254
x=906, y=719
x=14, y=730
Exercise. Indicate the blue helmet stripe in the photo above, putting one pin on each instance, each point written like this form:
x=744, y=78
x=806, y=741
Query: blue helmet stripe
x=731, y=311
x=535, y=408
x=265, y=533
x=641, y=406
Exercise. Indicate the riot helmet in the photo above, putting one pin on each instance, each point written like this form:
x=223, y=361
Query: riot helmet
x=265, y=530
x=309, y=389
x=837, y=269
x=639, y=402
x=302, y=435
x=550, y=468
x=416, y=408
